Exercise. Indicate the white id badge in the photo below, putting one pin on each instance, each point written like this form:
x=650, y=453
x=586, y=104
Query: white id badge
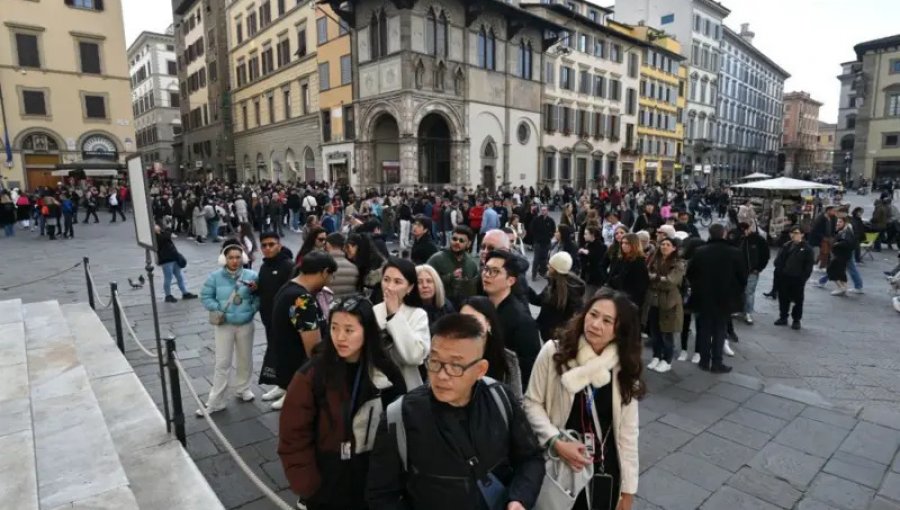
x=589, y=444
x=346, y=450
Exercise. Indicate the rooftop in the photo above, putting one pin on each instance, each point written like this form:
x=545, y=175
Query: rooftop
x=756, y=51
x=877, y=44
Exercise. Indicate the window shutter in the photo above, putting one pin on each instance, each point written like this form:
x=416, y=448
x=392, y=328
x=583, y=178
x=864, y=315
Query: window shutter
x=98, y=5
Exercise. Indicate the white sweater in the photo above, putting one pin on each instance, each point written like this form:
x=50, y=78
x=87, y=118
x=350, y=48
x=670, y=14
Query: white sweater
x=412, y=340
x=549, y=399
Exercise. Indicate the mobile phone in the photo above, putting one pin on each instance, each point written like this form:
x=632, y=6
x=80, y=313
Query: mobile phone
x=602, y=487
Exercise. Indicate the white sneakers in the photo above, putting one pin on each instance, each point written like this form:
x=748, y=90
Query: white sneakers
x=653, y=364
x=682, y=356
x=209, y=410
x=273, y=394
x=246, y=396
x=663, y=367
x=748, y=319
x=839, y=292
x=276, y=406
x=695, y=358
x=856, y=291
x=727, y=350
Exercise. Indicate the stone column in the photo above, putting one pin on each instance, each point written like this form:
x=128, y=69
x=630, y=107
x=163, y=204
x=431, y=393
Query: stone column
x=409, y=161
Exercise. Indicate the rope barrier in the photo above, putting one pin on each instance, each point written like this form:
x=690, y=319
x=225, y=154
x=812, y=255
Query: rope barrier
x=23, y=284
x=130, y=329
x=265, y=489
x=97, y=294
x=268, y=492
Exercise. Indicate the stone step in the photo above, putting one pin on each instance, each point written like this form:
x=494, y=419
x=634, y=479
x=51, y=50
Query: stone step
x=18, y=480
x=162, y=474
x=76, y=462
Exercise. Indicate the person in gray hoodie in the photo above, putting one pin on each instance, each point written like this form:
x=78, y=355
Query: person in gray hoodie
x=344, y=282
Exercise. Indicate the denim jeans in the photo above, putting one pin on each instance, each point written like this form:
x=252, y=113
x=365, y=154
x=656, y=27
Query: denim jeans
x=750, y=292
x=10, y=229
x=295, y=220
x=171, y=269
x=212, y=227
x=853, y=271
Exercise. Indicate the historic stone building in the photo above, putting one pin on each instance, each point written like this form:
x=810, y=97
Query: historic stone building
x=801, y=132
x=447, y=93
x=845, y=133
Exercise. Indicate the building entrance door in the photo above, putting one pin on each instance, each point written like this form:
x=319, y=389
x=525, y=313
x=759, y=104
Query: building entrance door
x=580, y=174
x=39, y=171
x=488, y=179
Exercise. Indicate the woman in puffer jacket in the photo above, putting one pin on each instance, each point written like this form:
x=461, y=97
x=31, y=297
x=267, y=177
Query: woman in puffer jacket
x=230, y=292
x=332, y=409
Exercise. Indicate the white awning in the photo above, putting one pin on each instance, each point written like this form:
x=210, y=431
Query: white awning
x=757, y=175
x=784, y=184
x=101, y=173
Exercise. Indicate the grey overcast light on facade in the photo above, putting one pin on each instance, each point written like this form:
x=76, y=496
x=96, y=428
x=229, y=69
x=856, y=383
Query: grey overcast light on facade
x=808, y=38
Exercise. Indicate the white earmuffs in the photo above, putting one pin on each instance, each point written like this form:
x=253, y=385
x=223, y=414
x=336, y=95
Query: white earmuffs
x=244, y=258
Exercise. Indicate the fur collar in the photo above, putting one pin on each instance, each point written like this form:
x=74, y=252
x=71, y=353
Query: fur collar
x=590, y=368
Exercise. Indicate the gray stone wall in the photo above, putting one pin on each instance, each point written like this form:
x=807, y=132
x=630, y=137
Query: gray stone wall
x=273, y=141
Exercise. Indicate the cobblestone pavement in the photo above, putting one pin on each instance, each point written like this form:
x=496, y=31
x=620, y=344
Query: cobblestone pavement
x=808, y=419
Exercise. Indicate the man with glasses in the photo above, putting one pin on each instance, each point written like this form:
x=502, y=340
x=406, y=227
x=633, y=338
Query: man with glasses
x=498, y=240
x=298, y=322
x=276, y=269
x=795, y=264
x=457, y=267
x=499, y=276
x=450, y=449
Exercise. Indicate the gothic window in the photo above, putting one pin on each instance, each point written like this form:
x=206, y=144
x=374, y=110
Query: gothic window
x=490, y=51
x=436, y=33
x=480, y=46
x=430, y=31
x=524, y=62
x=378, y=34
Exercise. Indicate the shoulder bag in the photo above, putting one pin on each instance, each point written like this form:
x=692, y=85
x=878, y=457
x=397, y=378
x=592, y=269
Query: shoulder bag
x=217, y=317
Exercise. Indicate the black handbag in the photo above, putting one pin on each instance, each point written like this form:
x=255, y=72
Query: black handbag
x=180, y=260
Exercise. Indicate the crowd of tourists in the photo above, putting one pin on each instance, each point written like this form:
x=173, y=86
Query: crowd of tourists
x=54, y=212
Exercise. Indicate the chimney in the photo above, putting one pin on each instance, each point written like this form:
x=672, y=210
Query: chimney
x=746, y=34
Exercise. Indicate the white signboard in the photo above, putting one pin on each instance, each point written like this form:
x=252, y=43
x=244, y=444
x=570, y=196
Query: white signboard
x=707, y=169
x=143, y=223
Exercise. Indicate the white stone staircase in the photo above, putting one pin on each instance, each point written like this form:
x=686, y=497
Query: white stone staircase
x=77, y=428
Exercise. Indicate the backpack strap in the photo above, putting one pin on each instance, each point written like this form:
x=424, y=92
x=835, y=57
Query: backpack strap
x=395, y=417
x=499, y=396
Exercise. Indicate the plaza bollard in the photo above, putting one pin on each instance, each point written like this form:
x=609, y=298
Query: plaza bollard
x=87, y=278
x=117, y=315
x=175, y=387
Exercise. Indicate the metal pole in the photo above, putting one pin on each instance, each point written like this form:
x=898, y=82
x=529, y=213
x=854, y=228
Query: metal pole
x=117, y=315
x=159, y=350
x=175, y=384
x=87, y=278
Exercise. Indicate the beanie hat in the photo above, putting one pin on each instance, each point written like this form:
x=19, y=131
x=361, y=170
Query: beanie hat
x=561, y=262
x=668, y=230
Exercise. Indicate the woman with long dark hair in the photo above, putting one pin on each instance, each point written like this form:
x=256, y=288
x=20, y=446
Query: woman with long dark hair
x=628, y=273
x=368, y=261
x=663, y=310
x=564, y=241
x=503, y=364
x=403, y=322
x=561, y=297
x=332, y=409
x=315, y=240
x=589, y=382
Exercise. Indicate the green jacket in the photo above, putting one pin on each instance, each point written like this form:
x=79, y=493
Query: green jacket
x=456, y=289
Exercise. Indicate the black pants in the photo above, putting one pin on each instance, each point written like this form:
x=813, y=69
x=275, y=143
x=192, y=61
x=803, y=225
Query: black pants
x=91, y=211
x=686, y=330
x=541, y=257
x=116, y=209
x=712, y=328
x=776, y=283
x=791, y=290
x=663, y=343
x=67, y=221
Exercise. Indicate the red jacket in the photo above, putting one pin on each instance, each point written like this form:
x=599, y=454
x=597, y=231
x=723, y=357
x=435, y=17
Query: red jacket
x=475, y=215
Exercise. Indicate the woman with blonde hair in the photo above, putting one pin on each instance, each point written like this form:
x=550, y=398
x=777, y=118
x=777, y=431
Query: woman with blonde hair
x=582, y=400
x=431, y=290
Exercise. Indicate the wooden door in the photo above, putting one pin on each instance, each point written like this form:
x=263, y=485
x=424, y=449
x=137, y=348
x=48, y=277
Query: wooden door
x=39, y=171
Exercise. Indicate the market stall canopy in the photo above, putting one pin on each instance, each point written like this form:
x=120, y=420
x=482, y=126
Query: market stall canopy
x=784, y=184
x=757, y=175
x=88, y=172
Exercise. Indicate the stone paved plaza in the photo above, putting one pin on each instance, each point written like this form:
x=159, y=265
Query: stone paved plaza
x=809, y=419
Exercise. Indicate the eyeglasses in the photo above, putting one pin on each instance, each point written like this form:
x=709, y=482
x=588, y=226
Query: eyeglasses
x=459, y=239
x=452, y=369
x=490, y=272
x=268, y=245
x=348, y=304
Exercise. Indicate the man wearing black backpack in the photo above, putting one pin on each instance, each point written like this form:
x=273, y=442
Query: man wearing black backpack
x=461, y=441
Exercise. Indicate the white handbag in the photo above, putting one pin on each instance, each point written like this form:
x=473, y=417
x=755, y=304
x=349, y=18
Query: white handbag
x=562, y=485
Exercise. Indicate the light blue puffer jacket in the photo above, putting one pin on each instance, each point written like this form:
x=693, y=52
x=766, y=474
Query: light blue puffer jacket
x=218, y=288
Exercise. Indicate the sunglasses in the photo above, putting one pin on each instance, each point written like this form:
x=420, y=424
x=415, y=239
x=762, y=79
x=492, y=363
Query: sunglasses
x=348, y=304
x=459, y=239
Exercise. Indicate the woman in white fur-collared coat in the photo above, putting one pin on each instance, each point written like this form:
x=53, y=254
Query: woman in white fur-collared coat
x=589, y=382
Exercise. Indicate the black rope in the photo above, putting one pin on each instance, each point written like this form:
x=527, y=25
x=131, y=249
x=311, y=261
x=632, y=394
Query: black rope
x=39, y=279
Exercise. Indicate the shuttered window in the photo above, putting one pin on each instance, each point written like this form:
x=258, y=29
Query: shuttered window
x=346, y=70
x=27, y=49
x=34, y=102
x=90, y=57
x=95, y=107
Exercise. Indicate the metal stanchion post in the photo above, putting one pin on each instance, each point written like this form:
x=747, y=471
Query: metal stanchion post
x=90, y=288
x=159, y=350
x=175, y=384
x=117, y=315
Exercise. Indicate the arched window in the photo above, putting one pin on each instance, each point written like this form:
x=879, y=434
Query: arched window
x=490, y=50
x=382, y=33
x=480, y=46
x=430, y=31
x=373, y=36
x=378, y=34
x=441, y=35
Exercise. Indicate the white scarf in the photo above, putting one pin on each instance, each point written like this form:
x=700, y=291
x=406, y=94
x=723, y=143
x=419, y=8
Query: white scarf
x=590, y=367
